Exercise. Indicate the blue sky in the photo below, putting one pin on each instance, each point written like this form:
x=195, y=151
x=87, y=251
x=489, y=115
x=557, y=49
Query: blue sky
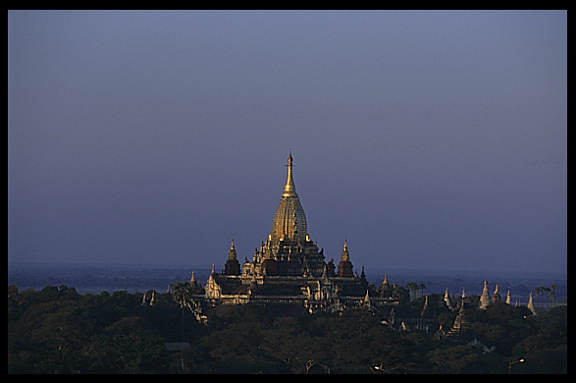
x=429, y=139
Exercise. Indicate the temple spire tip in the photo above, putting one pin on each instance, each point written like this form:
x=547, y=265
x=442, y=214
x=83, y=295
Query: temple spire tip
x=289, y=188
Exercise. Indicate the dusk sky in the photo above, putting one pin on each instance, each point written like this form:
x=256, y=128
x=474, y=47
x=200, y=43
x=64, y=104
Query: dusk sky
x=429, y=139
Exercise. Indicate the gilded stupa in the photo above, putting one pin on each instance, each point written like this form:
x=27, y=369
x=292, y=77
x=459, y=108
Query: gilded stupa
x=289, y=220
x=288, y=250
x=289, y=268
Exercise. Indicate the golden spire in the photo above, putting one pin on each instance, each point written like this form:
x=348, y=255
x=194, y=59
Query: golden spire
x=345, y=253
x=289, y=188
x=485, y=299
x=232, y=253
x=530, y=305
x=289, y=220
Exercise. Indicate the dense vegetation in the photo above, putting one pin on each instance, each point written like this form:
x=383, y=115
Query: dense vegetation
x=57, y=330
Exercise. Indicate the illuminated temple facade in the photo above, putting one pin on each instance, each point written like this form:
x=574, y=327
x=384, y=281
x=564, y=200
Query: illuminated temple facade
x=289, y=268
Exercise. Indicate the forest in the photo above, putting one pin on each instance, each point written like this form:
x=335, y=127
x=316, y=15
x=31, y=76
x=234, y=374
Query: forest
x=57, y=330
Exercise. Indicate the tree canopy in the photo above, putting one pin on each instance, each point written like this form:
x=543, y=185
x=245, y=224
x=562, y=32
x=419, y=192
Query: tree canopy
x=57, y=330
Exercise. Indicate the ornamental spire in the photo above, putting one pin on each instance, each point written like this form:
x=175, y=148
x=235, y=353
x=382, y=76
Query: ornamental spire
x=345, y=253
x=485, y=299
x=289, y=220
x=530, y=305
x=232, y=253
x=289, y=188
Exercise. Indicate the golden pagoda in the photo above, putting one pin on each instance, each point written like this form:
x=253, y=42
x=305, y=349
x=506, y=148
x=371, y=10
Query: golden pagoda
x=289, y=220
x=288, y=251
x=289, y=268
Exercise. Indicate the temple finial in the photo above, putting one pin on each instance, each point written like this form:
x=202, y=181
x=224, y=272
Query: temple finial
x=345, y=252
x=289, y=188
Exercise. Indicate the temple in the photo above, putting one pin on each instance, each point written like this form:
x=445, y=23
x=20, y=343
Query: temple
x=289, y=268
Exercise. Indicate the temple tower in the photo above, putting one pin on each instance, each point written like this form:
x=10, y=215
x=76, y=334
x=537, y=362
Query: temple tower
x=345, y=266
x=496, y=296
x=288, y=251
x=485, y=299
x=289, y=223
x=232, y=266
x=530, y=305
x=461, y=328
